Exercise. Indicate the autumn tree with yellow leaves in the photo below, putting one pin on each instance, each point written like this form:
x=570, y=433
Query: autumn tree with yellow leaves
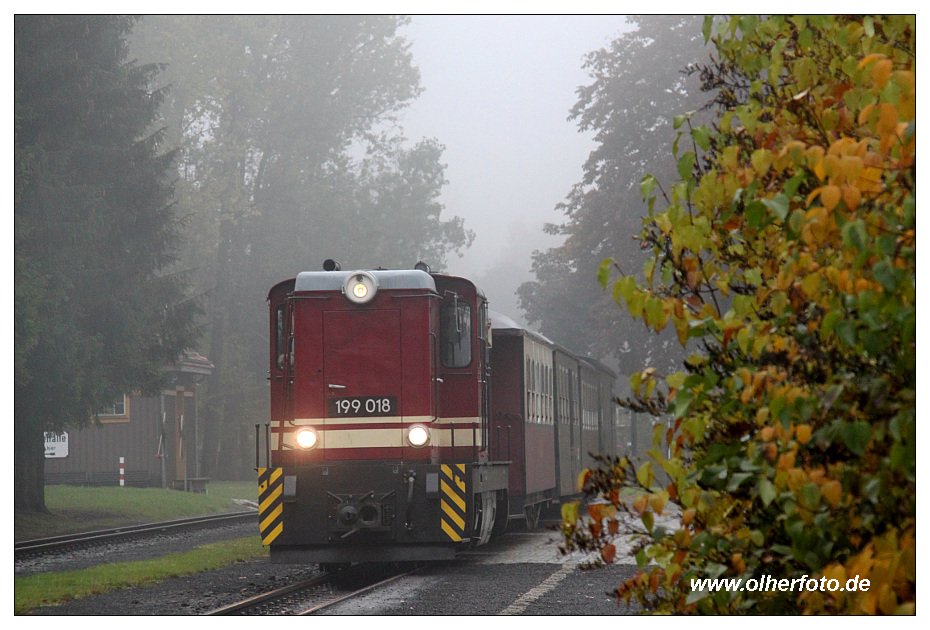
x=785, y=257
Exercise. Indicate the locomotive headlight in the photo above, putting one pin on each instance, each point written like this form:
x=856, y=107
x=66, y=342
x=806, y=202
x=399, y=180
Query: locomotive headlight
x=418, y=436
x=360, y=287
x=307, y=438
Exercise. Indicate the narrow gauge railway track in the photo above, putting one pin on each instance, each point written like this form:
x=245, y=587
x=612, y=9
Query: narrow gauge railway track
x=58, y=544
x=316, y=593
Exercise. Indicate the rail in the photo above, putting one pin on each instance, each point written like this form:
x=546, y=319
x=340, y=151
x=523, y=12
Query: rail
x=314, y=594
x=104, y=535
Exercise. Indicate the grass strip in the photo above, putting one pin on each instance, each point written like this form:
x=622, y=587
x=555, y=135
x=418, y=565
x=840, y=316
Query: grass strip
x=81, y=509
x=51, y=589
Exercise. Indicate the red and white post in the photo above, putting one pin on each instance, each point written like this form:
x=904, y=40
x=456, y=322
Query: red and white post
x=122, y=472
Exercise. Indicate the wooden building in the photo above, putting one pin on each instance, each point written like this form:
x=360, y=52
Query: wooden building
x=141, y=441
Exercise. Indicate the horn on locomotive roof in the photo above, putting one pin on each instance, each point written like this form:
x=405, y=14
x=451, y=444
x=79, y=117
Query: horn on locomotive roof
x=331, y=265
x=421, y=266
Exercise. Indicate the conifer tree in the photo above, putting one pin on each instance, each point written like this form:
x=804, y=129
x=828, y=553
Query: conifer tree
x=98, y=311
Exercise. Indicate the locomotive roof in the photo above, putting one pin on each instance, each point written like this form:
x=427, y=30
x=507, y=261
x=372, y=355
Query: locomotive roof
x=387, y=279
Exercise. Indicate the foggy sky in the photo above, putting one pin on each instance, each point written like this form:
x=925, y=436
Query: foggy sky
x=498, y=90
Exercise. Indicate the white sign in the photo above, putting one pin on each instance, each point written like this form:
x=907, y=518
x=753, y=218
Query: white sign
x=56, y=444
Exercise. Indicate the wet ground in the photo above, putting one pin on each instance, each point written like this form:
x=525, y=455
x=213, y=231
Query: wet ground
x=522, y=573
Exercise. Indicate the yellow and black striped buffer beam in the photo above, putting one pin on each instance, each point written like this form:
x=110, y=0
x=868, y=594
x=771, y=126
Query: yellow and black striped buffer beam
x=270, y=503
x=453, y=500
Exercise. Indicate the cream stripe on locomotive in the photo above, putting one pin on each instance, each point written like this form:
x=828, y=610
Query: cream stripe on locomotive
x=366, y=433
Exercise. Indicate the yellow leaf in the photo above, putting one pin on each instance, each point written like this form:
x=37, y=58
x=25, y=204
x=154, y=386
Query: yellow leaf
x=786, y=461
x=869, y=59
x=583, y=478
x=813, y=195
x=832, y=491
x=835, y=572
x=737, y=563
x=851, y=197
x=887, y=119
x=687, y=517
x=830, y=196
x=851, y=167
x=797, y=478
x=569, y=512
x=762, y=415
x=761, y=160
x=657, y=502
x=881, y=71
x=831, y=165
x=803, y=433
x=887, y=600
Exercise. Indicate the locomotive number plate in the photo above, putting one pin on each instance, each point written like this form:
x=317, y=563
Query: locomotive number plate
x=360, y=406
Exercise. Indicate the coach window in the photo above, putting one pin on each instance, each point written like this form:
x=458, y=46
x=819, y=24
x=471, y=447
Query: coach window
x=455, y=333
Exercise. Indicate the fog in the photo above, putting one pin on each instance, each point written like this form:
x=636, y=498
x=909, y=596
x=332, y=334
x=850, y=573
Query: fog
x=498, y=90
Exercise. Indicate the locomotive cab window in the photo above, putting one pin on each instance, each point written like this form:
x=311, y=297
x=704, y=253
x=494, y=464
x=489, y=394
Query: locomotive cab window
x=281, y=340
x=455, y=333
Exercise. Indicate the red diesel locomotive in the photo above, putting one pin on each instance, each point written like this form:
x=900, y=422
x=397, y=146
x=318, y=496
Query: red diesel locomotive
x=408, y=422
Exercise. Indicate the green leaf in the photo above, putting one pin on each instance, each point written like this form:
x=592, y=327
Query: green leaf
x=706, y=27
x=623, y=288
x=753, y=276
x=766, y=491
x=715, y=570
x=680, y=119
x=682, y=403
x=854, y=234
x=886, y=274
x=648, y=520
x=736, y=479
x=676, y=379
x=846, y=330
x=686, y=165
x=644, y=475
x=655, y=312
x=810, y=496
x=701, y=136
x=647, y=185
x=796, y=221
x=695, y=596
x=755, y=214
x=603, y=272
x=829, y=323
x=778, y=205
x=856, y=436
